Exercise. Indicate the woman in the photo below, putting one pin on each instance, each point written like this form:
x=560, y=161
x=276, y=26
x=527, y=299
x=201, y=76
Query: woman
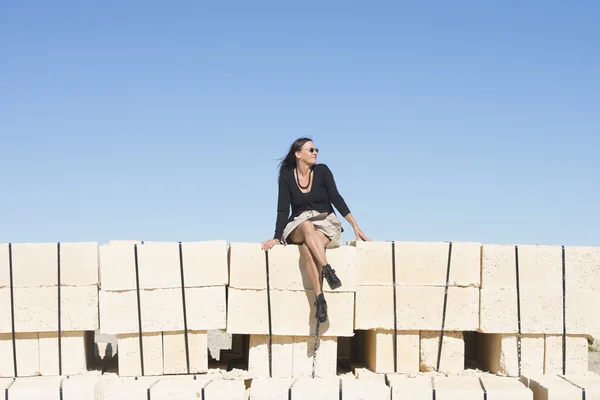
x=310, y=189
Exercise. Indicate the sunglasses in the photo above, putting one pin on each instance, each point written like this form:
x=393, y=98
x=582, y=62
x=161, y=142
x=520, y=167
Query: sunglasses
x=313, y=150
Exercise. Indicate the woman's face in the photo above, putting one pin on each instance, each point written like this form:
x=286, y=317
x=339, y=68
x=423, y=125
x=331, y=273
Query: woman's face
x=308, y=153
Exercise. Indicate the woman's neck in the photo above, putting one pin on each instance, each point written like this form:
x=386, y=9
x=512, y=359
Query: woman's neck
x=303, y=169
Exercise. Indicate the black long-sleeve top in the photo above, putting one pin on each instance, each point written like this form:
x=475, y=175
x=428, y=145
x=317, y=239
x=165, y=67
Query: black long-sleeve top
x=322, y=195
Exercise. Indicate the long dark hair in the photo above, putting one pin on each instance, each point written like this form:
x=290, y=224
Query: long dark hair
x=289, y=161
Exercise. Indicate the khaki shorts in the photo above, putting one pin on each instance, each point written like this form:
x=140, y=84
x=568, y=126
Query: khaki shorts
x=329, y=224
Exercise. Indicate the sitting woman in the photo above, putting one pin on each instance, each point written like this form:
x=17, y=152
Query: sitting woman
x=310, y=189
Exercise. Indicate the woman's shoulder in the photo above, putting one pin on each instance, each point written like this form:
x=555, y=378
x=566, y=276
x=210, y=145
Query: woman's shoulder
x=323, y=168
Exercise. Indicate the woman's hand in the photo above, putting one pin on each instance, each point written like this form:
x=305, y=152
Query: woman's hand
x=267, y=245
x=360, y=235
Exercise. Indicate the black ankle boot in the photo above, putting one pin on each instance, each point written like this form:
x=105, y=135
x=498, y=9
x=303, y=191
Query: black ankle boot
x=332, y=279
x=321, y=308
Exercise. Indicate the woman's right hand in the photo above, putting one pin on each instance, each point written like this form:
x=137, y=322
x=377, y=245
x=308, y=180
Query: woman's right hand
x=267, y=245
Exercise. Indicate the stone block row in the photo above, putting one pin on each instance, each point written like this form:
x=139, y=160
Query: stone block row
x=38, y=354
x=164, y=353
x=585, y=386
x=540, y=354
x=292, y=356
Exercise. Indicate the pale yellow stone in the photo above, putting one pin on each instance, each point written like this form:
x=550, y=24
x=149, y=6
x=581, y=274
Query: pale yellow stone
x=225, y=389
x=81, y=387
x=379, y=351
x=79, y=264
x=282, y=356
x=505, y=388
x=34, y=264
x=457, y=387
x=499, y=267
x=582, y=268
x=541, y=311
x=162, y=310
x=357, y=389
x=367, y=374
x=286, y=267
x=129, y=354
x=181, y=387
x=174, y=354
x=28, y=354
x=270, y=388
x=452, y=359
x=553, y=387
x=583, y=312
x=205, y=263
x=292, y=313
x=414, y=388
x=118, y=388
x=4, y=266
x=316, y=389
x=73, y=349
x=498, y=354
x=304, y=353
x=117, y=267
x=374, y=262
x=159, y=266
x=417, y=308
x=576, y=352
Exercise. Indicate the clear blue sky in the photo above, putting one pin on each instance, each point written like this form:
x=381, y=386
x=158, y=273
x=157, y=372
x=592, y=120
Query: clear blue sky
x=465, y=120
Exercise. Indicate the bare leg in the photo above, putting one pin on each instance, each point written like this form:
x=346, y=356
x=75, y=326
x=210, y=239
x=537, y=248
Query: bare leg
x=312, y=271
x=307, y=234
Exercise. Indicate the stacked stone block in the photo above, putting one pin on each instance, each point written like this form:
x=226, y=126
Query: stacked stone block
x=277, y=309
x=48, y=300
x=176, y=290
x=540, y=310
x=430, y=305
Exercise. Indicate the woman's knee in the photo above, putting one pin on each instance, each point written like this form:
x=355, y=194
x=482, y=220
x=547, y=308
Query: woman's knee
x=307, y=228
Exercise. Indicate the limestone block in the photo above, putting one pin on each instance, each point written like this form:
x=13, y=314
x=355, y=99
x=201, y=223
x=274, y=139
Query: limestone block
x=414, y=388
x=4, y=266
x=247, y=312
x=36, y=264
x=5, y=311
x=129, y=354
x=457, y=387
x=117, y=267
x=583, y=312
x=452, y=359
x=286, y=267
x=304, y=352
x=225, y=389
x=499, y=267
x=270, y=388
x=174, y=355
x=418, y=263
x=49, y=388
x=366, y=374
x=79, y=264
x=5, y=383
x=541, y=311
x=162, y=310
x=379, y=351
x=553, y=387
x=282, y=356
x=426, y=263
x=292, y=313
x=576, y=352
x=205, y=263
x=36, y=309
x=81, y=387
x=357, y=389
x=498, y=354
x=505, y=388
x=184, y=387
x=159, y=266
x=28, y=355
x=417, y=308
x=316, y=389
x=582, y=268
x=73, y=347
x=117, y=388
x=373, y=262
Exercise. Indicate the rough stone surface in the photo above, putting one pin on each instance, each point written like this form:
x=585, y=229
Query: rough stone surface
x=452, y=359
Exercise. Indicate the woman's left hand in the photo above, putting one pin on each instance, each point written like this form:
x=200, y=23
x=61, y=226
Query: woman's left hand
x=360, y=235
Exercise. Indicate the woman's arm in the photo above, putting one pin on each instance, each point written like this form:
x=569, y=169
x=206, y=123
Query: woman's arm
x=338, y=201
